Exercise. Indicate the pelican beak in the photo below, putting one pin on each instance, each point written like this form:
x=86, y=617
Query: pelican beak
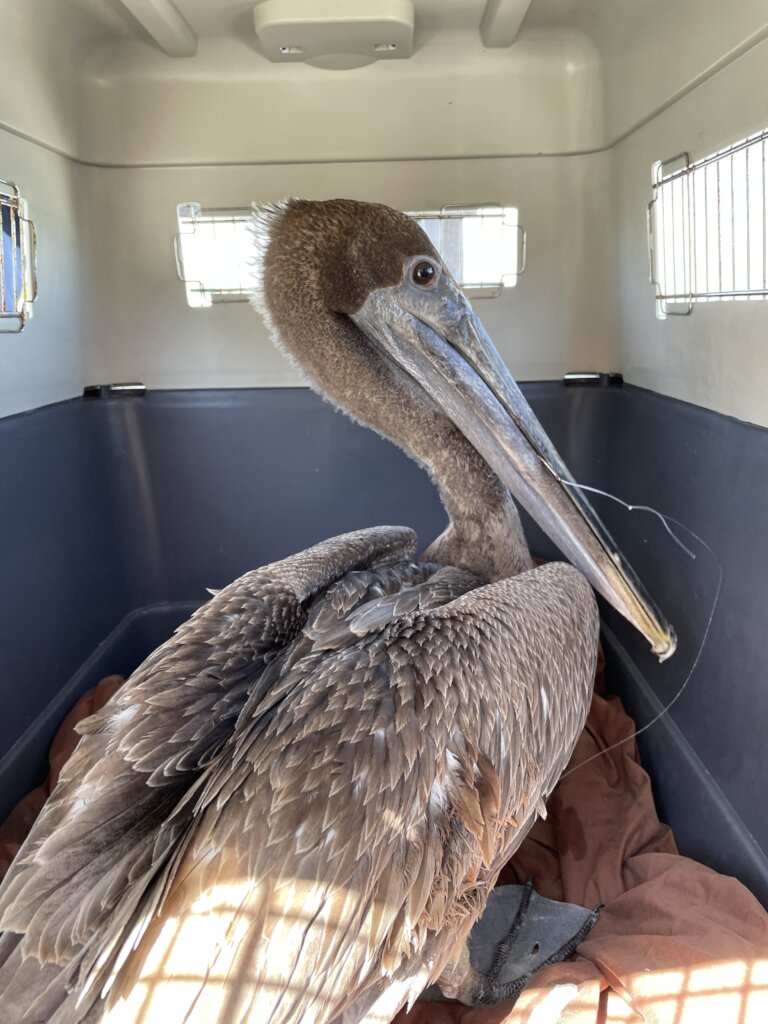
x=435, y=335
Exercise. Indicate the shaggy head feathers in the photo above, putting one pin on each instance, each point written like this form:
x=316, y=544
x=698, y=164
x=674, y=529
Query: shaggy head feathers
x=313, y=264
x=340, y=249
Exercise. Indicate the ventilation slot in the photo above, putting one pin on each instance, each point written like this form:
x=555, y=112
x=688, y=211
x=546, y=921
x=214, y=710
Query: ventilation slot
x=18, y=275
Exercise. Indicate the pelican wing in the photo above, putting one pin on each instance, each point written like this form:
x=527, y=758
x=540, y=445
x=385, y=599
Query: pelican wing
x=105, y=836
x=347, y=834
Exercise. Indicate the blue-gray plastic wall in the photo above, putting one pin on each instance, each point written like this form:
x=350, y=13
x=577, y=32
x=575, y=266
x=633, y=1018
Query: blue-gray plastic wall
x=116, y=514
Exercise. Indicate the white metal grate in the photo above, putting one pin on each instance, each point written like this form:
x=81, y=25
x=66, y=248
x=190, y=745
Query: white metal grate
x=18, y=273
x=483, y=245
x=707, y=232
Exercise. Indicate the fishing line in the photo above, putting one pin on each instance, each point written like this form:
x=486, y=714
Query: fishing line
x=666, y=520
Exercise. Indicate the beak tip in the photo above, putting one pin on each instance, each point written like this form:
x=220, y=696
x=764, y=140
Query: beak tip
x=667, y=648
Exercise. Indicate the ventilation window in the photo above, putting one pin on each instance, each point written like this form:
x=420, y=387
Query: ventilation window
x=707, y=228
x=18, y=277
x=483, y=246
x=213, y=249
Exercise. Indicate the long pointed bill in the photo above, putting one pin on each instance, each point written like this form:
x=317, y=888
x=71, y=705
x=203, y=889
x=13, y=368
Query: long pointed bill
x=457, y=364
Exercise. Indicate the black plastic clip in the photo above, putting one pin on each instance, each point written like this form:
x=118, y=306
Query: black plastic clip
x=593, y=380
x=114, y=390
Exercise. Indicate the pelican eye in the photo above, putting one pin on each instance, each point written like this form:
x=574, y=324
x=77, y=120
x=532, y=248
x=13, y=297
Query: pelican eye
x=423, y=273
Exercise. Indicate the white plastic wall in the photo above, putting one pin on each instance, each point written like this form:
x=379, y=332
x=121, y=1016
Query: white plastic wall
x=47, y=361
x=39, y=85
x=718, y=356
x=453, y=98
x=141, y=326
x=565, y=125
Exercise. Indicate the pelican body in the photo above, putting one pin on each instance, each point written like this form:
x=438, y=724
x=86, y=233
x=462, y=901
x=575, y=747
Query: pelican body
x=295, y=809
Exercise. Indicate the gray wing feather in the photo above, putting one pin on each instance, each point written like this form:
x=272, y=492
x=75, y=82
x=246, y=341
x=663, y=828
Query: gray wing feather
x=363, y=603
x=99, y=839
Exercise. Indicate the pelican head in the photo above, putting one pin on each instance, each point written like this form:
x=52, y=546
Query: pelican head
x=360, y=299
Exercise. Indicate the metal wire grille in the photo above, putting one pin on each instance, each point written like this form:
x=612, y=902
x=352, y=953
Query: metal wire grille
x=483, y=245
x=707, y=232
x=18, y=276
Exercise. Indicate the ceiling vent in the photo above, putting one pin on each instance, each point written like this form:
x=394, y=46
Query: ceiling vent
x=339, y=35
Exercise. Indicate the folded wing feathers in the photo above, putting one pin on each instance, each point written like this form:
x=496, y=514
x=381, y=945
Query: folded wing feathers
x=375, y=781
x=138, y=735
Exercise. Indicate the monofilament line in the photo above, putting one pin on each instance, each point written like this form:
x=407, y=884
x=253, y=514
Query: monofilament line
x=666, y=520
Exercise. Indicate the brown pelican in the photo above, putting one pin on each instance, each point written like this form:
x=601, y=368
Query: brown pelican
x=295, y=809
